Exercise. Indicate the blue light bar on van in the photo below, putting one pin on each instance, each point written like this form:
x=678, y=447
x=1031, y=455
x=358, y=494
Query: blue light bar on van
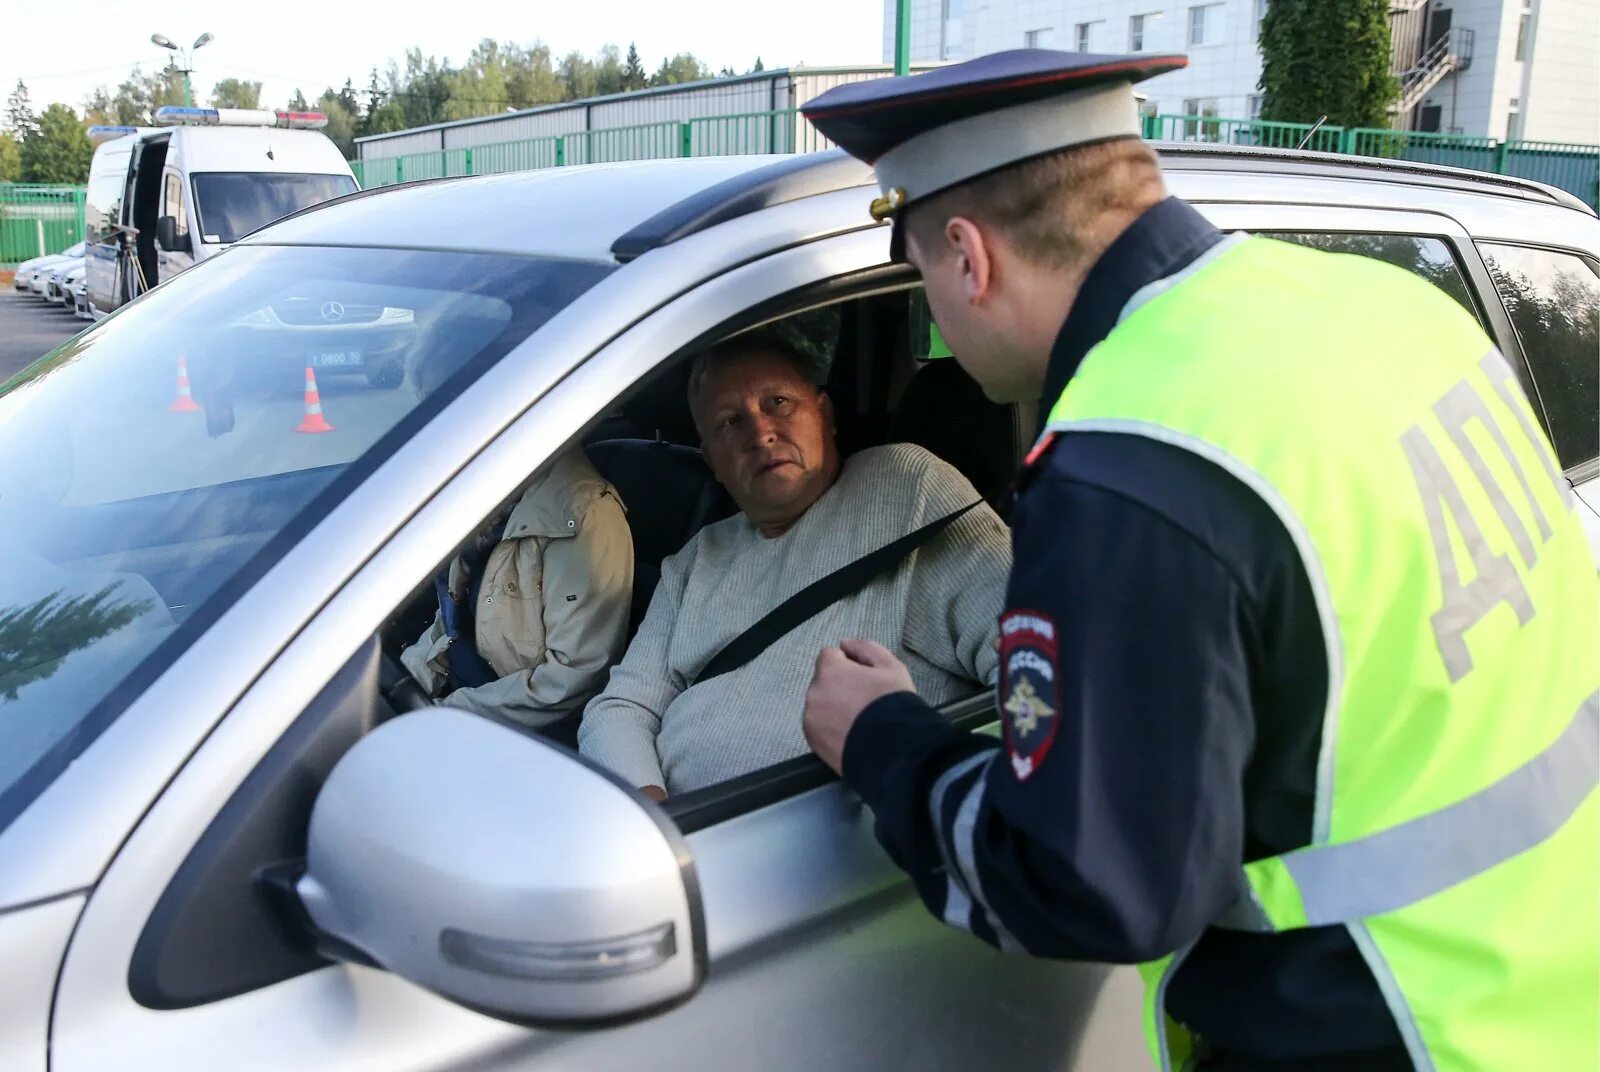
x=102, y=131
x=170, y=114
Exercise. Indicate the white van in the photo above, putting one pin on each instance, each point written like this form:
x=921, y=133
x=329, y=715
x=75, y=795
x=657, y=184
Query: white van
x=160, y=200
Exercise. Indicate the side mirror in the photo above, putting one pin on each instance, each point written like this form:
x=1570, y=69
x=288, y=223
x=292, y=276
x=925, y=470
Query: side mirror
x=504, y=873
x=167, y=236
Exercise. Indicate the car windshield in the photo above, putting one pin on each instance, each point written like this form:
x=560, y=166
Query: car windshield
x=147, y=464
x=231, y=205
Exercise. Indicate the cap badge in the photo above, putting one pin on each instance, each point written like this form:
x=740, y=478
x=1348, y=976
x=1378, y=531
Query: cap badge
x=887, y=205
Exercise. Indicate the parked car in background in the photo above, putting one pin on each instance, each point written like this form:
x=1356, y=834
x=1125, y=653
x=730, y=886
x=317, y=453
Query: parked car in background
x=23, y=278
x=210, y=749
x=57, y=281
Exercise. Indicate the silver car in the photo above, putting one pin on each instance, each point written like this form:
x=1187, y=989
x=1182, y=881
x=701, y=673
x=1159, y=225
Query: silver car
x=228, y=835
x=59, y=281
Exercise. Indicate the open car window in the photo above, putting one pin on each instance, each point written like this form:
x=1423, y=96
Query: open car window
x=156, y=465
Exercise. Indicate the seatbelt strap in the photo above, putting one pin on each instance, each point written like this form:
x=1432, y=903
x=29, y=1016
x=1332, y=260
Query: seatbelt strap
x=821, y=594
x=468, y=669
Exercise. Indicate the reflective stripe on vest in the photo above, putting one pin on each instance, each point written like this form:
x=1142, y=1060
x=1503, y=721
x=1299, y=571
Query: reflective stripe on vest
x=1407, y=863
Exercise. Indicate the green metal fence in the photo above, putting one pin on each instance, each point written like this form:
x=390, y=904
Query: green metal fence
x=1450, y=150
x=1574, y=168
x=1260, y=133
x=38, y=218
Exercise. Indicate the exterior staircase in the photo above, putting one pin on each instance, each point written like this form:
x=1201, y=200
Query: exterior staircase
x=1447, y=54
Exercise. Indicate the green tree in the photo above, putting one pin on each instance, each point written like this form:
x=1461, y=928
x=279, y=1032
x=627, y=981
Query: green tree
x=37, y=638
x=759, y=67
x=97, y=107
x=633, y=72
x=375, y=100
x=20, y=120
x=59, y=150
x=1327, y=57
x=684, y=67
x=388, y=118
x=341, y=128
x=609, y=75
x=531, y=76
x=10, y=159
x=578, y=77
x=298, y=102
x=135, y=102
x=234, y=93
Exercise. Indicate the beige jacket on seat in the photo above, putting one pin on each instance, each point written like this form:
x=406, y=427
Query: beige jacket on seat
x=552, y=613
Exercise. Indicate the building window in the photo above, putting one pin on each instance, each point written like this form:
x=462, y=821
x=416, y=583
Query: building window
x=1253, y=103
x=1082, y=37
x=1038, y=38
x=1139, y=27
x=1522, y=36
x=1205, y=24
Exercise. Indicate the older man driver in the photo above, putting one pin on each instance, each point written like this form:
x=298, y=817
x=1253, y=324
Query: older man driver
x=767, y=430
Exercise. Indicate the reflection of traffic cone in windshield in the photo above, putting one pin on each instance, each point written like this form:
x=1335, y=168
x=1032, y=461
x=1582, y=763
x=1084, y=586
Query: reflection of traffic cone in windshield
x=314, y=421
x=185, y=402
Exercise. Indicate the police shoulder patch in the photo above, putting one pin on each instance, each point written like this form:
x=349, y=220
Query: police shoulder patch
x=1030, y=700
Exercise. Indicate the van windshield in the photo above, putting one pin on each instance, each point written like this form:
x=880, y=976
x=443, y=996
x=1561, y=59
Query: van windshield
x=232, y=204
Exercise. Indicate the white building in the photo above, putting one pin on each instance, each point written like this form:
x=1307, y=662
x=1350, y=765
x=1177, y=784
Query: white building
x=1475, y=67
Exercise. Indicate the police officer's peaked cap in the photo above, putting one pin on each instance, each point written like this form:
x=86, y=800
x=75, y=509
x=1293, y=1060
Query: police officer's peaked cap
x=925, y=133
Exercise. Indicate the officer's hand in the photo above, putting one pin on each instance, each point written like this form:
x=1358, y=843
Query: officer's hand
x=848, y=678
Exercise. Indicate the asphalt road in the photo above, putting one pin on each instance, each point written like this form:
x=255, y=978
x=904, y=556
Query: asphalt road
x=30, y=328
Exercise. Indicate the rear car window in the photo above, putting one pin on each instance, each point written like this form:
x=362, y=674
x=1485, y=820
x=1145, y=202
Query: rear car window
x=1553, y=300
x=1420, y=255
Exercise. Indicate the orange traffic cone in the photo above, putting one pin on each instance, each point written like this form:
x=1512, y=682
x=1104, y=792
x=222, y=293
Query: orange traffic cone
x=185, y=402
x=314, y=421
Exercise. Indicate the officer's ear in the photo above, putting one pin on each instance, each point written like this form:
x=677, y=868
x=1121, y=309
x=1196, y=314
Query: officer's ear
x=972, y=260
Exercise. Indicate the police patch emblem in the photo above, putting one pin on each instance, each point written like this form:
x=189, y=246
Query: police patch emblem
x=1028, y=684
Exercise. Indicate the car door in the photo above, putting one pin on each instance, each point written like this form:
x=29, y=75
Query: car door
x=820, y=955
x=170, y=262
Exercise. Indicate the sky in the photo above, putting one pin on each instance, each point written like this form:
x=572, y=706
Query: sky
x=51, y=47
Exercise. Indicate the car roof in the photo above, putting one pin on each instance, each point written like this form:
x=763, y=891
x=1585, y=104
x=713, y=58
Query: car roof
x=573, y=212
x=618, y=211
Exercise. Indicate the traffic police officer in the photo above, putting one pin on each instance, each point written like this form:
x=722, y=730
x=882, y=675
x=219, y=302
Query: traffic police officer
x=1299, y=674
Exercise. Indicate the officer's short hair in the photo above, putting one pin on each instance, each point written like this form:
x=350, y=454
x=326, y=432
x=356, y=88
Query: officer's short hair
x=1039, y=204
x=742, y=348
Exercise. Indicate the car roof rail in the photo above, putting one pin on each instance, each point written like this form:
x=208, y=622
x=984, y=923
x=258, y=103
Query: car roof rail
x=1201, y=156
x=803, y=175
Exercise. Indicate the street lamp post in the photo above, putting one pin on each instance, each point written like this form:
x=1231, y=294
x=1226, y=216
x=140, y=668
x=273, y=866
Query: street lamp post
x=164, y=41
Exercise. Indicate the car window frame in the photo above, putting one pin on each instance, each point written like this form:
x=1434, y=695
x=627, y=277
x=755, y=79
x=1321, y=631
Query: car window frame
x=149, y=860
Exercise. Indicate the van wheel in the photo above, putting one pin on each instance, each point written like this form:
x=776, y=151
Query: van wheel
x=387, y=376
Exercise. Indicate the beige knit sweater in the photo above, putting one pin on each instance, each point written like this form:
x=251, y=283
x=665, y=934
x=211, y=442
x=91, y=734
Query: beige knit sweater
x=937, y=611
